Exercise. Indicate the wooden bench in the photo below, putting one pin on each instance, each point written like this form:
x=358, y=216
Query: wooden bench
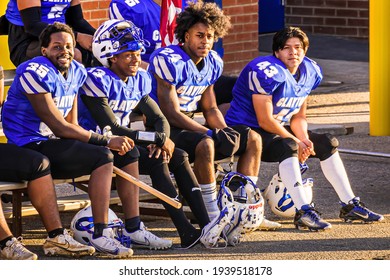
x=21, y=209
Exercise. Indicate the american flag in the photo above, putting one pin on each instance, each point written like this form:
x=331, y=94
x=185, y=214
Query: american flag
x=169, y=10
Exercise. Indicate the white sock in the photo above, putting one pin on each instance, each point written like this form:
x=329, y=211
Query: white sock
x=334, y=171
x=209, y=194
x=290, y=174
x=254, y=179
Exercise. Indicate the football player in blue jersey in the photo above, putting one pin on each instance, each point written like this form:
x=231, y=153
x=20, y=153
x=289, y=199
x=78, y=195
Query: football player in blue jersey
x=183, y=80
x=270, y=96
x=27, y=19
x=17, y=164
x=40, y=113
x=145, y=14
x=109, y=96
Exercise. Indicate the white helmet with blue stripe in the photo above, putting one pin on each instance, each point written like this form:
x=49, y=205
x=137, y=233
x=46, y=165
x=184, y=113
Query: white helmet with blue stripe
x=82, y=226
x=116, y=36
x=246, y=197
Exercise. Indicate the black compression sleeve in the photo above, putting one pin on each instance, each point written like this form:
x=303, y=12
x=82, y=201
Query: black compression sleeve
x=31, y=18
x=155, y=119
x=74, y=17
x=103, y=116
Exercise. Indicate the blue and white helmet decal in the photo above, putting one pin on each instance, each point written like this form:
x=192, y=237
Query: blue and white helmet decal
x=117, y=36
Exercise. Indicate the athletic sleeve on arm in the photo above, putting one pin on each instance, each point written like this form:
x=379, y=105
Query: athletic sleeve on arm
x=32, y=21
x=74, y=17
x=155, y=119
x=103, y=115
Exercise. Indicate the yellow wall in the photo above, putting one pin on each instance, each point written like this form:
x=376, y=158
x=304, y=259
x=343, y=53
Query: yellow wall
x=4, y=57
x=4, y=54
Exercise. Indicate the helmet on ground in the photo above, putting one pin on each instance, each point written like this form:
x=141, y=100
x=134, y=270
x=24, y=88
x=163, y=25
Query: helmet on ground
x=246, y=197
x=117, y=36
x=278, y=198
x=82, y=226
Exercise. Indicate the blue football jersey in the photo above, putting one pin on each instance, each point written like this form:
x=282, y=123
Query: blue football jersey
x=52, y=10
x=20, y=122
x=145, y=14
x=268, y=75
x=122, y=96
x=172, y=64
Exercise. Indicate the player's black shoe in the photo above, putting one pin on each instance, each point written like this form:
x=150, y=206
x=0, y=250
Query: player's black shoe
x=355, y=210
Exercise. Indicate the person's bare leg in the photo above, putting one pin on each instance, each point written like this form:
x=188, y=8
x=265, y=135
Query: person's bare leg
x=249, y=162
x=99, y=189
x=205, y=173
x=43, y=197
x=204, y=161
x=4, y=229
x=128, y=192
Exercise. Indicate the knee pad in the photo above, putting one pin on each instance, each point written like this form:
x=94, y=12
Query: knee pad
x=286, y=148
x=102, y=156
x=325, y=145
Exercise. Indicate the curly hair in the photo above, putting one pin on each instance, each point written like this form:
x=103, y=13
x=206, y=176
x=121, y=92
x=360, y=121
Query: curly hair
x=56, y=27
x=207, y=13
x=281, y=37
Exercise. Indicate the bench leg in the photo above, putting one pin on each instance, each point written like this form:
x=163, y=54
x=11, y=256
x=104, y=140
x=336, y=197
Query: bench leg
x=17, y=213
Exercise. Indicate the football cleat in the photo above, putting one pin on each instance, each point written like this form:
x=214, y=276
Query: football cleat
x=269, y=225
x=211, y=233
x=142, y=238
x=107, y=244
x=14, y=250
x=65, y=245
x=355, y=210
x=278, y=198
x=309, y=218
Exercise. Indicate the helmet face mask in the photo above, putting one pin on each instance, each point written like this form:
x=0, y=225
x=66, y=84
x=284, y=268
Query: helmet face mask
x=246, y=197
x=115, y=37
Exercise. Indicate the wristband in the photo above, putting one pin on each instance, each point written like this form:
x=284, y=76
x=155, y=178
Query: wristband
x=146, y=136
x=99, y=140
x=210, y=133
x=149, y=137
